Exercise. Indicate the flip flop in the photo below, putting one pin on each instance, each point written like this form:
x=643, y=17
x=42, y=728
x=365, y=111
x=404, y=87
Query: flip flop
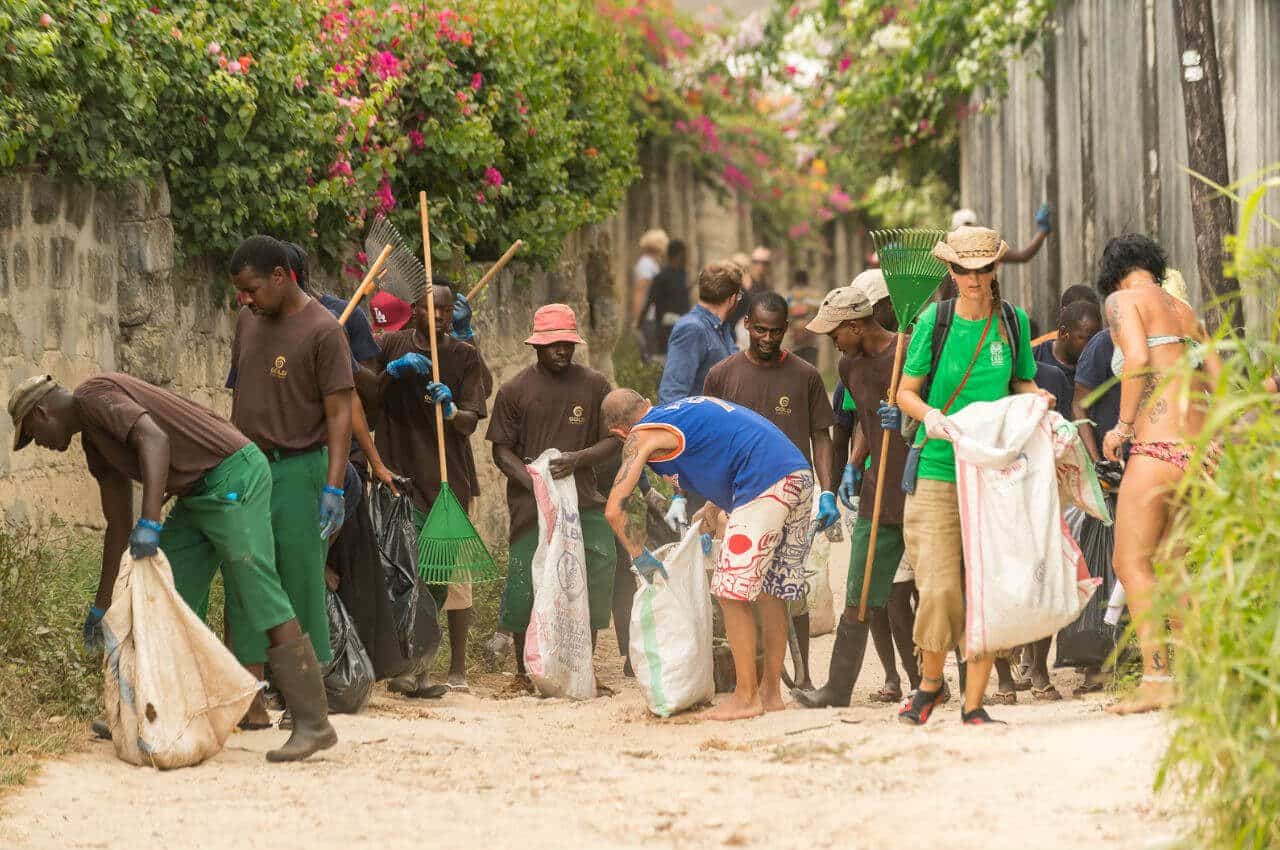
x=1001, y=698
x=1088, y=688
x=254, y=727
x=429, y=692
x=887, y=694
x=1046, y=694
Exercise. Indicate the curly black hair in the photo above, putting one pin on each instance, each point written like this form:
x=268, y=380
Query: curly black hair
x=261, y=253
x=1125, y=253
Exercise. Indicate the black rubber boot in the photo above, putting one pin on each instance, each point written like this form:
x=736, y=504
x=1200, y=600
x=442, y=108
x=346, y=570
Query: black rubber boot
x=846, y=663
x=296, y=674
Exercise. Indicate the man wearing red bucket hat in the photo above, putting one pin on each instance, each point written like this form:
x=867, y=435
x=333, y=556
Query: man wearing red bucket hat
x=553, y=404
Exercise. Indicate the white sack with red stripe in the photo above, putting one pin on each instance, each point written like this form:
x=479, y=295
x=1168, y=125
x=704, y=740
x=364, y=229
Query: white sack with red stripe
x=1025, y=577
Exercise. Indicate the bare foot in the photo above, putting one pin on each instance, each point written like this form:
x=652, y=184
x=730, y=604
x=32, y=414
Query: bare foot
x=733, y=709
x=1150, y=696
x=771, y=700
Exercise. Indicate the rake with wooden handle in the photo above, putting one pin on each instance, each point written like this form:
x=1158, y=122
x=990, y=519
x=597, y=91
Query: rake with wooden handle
x=497, y=267
x=366, y=286
x=449, y=549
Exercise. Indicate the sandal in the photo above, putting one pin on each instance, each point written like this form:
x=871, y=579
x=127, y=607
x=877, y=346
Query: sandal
x=1088, y=688
x=979, y=717
x=1046, y=694
x=887, y=694
x=917, y=709
x=428, y=692
x=1001, y=698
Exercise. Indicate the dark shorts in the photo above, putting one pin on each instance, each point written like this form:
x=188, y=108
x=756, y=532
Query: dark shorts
x=602, y=554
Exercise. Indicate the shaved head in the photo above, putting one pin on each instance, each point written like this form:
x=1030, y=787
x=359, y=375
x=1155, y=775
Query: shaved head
x=623, y=408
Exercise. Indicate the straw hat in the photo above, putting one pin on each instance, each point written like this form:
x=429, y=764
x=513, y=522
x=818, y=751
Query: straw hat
x=971, y=247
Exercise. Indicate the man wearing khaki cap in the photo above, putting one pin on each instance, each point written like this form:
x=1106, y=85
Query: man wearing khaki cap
x=553, y=404
x=847, y=316
x=220, y=518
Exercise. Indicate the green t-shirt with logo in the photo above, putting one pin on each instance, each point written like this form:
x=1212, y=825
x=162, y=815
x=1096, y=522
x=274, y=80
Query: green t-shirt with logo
x=992, y=372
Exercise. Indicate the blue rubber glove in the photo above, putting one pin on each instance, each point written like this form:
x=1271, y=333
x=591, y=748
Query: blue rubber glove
x=850, y=483
x=1043, y=221
x=93, y=629
x=705, y=540
x=333, y=510
x=145, y=539
x=646, y=564
x=828, y=513
x=410, y=364
x=890, y=417
x=462, y=318
x=443, y=396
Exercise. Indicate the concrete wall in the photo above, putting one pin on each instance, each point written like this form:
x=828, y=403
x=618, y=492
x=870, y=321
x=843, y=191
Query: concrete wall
x=1094, y=125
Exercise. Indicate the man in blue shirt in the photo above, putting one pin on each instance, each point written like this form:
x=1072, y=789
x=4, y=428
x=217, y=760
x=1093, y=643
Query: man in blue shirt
x=702, y=337
x=1093, y=370
x=746, y=466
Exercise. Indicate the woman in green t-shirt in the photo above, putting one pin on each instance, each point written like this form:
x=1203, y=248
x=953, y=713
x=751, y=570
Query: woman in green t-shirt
x=977, y=345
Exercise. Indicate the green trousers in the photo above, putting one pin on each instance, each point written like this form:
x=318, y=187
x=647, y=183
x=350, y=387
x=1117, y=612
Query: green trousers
x=225, y=523
x=884, y=566
x=602, y=555
x=296, y=482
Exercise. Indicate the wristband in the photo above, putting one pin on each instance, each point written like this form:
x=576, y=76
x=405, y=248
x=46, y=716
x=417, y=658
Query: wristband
x=154, y=526
x=334, y=491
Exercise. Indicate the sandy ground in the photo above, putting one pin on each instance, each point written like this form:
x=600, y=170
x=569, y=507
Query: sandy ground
x=480, y=771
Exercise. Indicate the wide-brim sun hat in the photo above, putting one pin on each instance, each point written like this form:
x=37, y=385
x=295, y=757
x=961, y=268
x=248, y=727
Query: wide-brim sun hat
x=555, y=323
x=971, y=247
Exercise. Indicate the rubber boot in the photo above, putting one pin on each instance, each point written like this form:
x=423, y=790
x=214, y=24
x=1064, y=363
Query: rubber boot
x=846, y=663
x=296, y=674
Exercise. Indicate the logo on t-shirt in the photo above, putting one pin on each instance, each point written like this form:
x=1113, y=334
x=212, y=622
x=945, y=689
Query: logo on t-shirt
x=784, y=406
x=279, y=369
x=577, y=418
x=997, y=353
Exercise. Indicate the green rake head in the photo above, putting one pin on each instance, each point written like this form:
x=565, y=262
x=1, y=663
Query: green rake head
x=449, y=549
x=911, y=272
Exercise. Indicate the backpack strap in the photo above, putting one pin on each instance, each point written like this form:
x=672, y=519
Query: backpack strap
x=1012, y=327
x=941, y=327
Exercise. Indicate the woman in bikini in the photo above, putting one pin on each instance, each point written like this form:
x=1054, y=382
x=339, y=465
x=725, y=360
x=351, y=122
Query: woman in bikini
x=1160, y=419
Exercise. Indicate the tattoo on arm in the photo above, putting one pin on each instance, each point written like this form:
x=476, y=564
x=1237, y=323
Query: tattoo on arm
x=630, y=451
x=1113, y=311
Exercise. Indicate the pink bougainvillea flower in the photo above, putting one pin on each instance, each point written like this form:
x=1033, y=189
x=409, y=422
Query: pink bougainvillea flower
x=340, y=168
x=461, y=96
x=735, y=178
x=477, y=81
x=523, y=110
x=791, y=70
x=845, y=62
x=533, y=131
x=840, y=200
x=678, y=38
x=298, y=83
x=466, y=110
x=386, y=200
x=493, y=176
x=825, y=214
x=214, y=48
x=233, y=66
x=46, y=20
x=924, y=125
x=362, y=258
x=417, y=140
x=799, y=231
x=385, y=65
x=480, y=198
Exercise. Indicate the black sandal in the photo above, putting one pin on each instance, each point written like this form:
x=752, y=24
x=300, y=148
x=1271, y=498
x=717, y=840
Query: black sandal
x=979, y=717
x=917, y=709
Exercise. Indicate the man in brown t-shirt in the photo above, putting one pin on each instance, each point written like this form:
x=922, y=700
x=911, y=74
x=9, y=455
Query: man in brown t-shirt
x=788, y=391
x=847, y=316
x=220, y=518
x=553, y=404
x=405, y=396
x=292, y=398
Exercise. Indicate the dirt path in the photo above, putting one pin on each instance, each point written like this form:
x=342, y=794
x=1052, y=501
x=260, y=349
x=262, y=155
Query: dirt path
x=481, y=772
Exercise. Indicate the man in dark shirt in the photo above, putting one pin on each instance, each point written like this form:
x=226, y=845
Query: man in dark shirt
x=292, y=398
x=1093, y=370
x=1077, y=324
x=553, y=404
x=220, y=518
x=789, y=392
x=847, y=316
x=405, y=396
x=668, y=295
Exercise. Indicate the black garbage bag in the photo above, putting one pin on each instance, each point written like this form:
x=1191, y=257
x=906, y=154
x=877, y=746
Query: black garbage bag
x=1089, y=641
x=414, y=611
x=348, y=680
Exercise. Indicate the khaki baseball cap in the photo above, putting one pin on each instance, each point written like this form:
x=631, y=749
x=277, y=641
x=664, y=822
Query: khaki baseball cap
x=23, y=399
x=840, y=305
x=871, y=283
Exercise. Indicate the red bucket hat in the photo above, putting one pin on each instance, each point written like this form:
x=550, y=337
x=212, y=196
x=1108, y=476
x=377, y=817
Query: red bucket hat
x=389, y=312
x=555, y=323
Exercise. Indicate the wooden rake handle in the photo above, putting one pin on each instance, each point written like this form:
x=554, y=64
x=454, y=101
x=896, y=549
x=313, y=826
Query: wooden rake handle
x=366, y=286
x=884, y=459
x=431, y=325
x=495, y=268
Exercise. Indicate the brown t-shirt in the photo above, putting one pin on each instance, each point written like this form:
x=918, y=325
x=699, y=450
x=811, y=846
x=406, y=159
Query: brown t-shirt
x=536, y=411
x=110, y=405
x=867, y=380
x=283, y=370
x=406, y=435
x=789, y=393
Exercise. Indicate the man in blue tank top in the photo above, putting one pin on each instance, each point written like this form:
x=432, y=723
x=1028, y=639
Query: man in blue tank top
x=744, y=465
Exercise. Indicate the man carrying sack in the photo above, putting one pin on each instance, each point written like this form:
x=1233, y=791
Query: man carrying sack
x=220, y=519
x=553, y=404
x=847, y=316
x=403, y=392
x=743, y=464
x=789, y=392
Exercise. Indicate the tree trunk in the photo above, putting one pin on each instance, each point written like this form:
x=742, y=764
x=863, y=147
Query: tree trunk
x=1207, y=154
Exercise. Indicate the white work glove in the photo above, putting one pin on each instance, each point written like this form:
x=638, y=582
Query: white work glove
x=677, y=513
x=937, y=425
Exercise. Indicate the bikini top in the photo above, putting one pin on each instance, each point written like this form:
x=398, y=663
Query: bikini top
x=1197, y=357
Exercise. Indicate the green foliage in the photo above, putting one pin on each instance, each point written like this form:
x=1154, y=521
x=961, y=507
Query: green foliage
x=1225, y=749
x=49, y=685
